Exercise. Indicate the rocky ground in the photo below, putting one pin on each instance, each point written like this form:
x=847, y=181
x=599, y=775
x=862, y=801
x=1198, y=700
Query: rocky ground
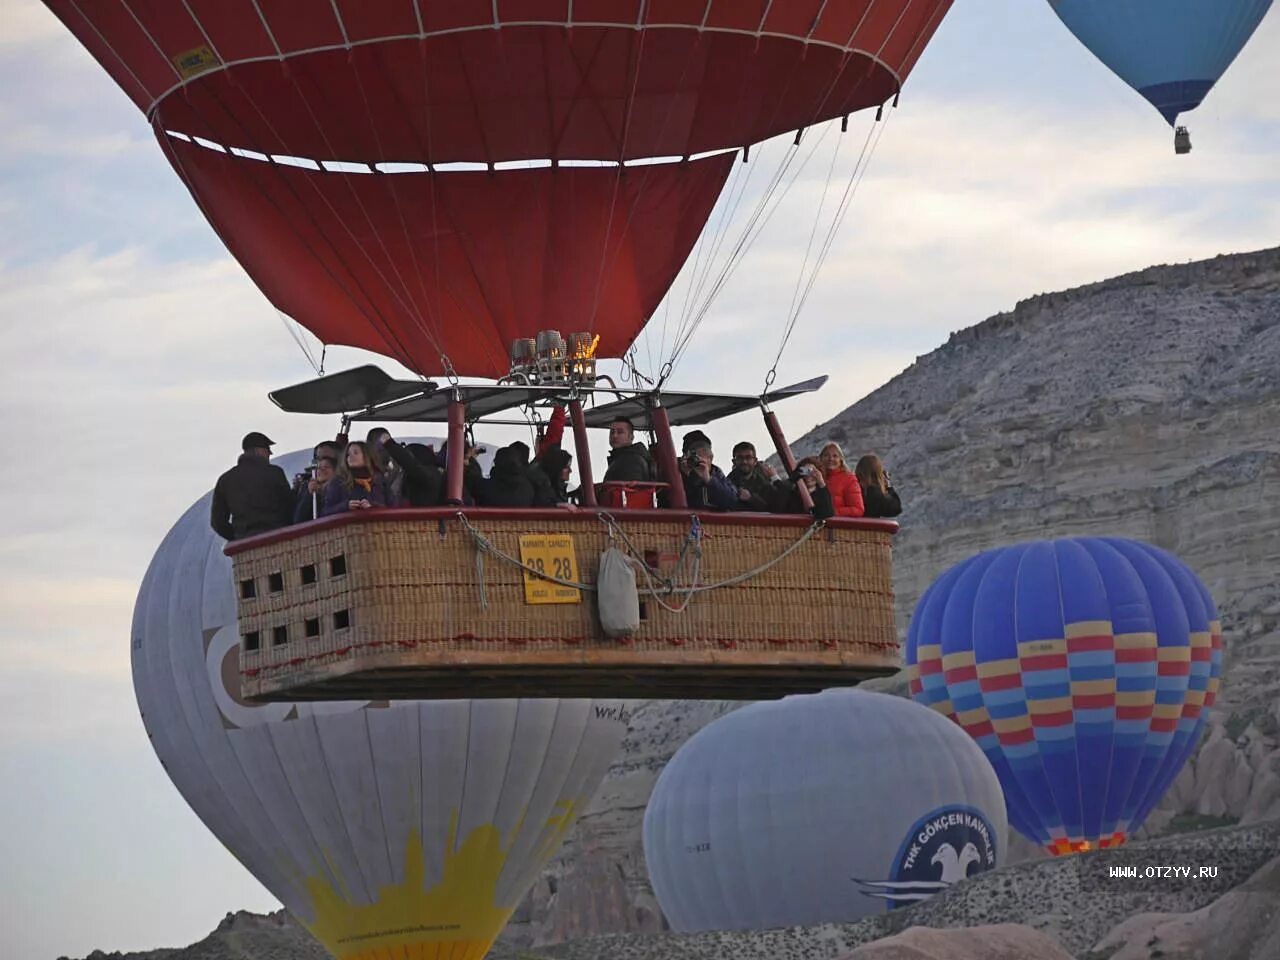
x=1071, y=900
x=1071, y=906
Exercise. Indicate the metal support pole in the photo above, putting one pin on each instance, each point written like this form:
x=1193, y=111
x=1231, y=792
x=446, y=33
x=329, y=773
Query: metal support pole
x=457, y=451
x=667, y=456
x=785, y=455
x=587, y=485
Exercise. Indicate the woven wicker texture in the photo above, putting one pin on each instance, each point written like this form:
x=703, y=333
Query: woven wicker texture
x=412, y=593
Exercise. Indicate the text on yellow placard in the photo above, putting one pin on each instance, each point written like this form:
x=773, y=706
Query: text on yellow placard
x=552, y=554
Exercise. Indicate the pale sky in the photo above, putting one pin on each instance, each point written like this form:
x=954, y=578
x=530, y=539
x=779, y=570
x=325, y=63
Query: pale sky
x=137, y=353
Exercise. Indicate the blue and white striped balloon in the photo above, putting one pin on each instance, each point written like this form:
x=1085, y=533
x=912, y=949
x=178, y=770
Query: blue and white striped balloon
x=1082, y=668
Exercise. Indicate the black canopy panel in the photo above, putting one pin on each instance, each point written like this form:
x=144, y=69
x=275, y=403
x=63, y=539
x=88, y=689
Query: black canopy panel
x=689, y=409
x=482, y=400
x=355, y=389
x=367, y=393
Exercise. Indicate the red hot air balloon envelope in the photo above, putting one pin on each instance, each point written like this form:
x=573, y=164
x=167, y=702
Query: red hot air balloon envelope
x=1082, y=667
x=449, y=183
x=322, y=138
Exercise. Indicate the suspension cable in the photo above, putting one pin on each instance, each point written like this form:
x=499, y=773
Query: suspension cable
x=803, y=287
x=768, y=206
x=290, y=325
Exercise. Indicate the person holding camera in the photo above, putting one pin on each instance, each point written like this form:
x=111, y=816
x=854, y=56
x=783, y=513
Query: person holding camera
x=421, y=479
x=878, y=495
x=705, y=485
x=809, y=472
x=756, y=481
x=311, y=485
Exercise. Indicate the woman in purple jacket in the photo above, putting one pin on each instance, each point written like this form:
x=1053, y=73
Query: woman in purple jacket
x=358, y=485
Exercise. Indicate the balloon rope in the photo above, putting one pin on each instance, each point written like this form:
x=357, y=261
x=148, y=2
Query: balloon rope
x=763, y=213
x=656, y=587
x=289, y=325
x=748, y=238
x=799, y=299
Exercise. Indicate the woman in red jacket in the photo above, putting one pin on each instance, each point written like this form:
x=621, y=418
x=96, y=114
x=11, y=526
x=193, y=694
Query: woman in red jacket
x=846, y=492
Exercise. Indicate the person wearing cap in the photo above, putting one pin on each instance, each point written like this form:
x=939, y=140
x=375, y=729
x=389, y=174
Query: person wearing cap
x=253, y=496
x=705, y=485
x=694, y=439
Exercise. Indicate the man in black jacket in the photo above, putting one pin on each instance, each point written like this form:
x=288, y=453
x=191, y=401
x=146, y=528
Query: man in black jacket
x=422, y=480
x=514, y=483
x=628, y=460
x=756, y=482
x=253, y=496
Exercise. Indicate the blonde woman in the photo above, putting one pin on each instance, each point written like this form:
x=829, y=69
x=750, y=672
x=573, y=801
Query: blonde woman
x=846, y=494
x=878, y=495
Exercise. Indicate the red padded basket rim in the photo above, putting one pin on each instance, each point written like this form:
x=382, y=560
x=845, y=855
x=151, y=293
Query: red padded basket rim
x=580, y=515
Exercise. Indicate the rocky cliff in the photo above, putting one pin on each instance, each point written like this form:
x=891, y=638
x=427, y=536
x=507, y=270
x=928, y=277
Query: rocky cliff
x=1145, y=406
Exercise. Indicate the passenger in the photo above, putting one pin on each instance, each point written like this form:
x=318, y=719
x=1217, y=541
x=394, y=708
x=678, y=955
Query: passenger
x=846, y=495
x=705, y=485
x=311, y=496
x=358, y=484
x=878, y=495
x=755, y=480
x=253, y=496
x=328, y=448
x=809, y=472
x=325, y=448
x=422, y=482
x=514, y=483
x=556, y=465
x=391, y=470
x=628, y=460
x=544, y=494
x=692, y=439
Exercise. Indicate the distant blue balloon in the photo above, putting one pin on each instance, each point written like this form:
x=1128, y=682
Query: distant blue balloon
x=1170, y=51
x=1082, y=667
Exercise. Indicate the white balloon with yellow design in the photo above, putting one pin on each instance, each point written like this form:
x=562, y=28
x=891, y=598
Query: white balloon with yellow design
x=390, y=830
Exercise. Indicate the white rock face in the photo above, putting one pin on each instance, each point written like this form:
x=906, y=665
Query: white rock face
x=1002, y=941
x=1146, y=406
x=1243, y=924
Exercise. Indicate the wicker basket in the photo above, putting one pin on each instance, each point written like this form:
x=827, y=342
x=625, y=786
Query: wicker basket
x=411, y=604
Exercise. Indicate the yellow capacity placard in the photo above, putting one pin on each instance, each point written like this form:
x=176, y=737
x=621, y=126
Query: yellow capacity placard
x=552, y=554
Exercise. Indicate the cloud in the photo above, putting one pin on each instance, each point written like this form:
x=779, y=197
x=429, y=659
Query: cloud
x=965, y=210
x=29, y=26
